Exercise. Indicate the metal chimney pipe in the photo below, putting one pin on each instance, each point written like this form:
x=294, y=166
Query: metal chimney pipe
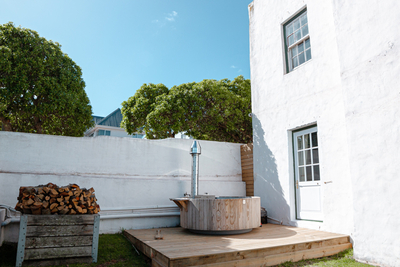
x=195, y=150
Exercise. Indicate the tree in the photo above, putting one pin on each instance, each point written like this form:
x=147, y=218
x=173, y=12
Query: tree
x=135, y=110
x=41, y=88
x=208, y=110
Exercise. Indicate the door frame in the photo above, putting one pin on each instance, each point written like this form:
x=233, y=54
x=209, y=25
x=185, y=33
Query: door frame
x=293, y=172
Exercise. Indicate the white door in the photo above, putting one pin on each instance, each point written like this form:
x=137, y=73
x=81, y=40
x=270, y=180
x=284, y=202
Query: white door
x=307, y=178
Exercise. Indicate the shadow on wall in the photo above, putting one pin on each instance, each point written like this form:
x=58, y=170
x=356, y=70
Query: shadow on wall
x=266, y=178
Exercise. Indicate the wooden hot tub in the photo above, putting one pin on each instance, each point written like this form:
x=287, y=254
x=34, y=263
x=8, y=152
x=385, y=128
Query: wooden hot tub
x=219, y=215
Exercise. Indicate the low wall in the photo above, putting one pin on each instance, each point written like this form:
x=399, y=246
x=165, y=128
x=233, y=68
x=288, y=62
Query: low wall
x=133, y=178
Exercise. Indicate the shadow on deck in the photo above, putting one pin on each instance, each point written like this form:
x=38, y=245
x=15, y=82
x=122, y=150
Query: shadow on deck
x=265, y=246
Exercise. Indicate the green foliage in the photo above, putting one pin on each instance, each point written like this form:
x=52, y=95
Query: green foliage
x=41, y=88
x=137, y=107
x=208, y=110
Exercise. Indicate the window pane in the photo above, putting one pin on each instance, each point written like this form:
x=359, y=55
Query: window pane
x=315, y=157
x=299, y=142
x=308, y=54
x=309, y=173
x=301, y=58
x=308, y=156
x=304, y=30
x=298, y=35
x=307, y=43
x=316, y=173
x=296, y=24
x=295, y=62
x=301, y=158
x=307, y=140
x=300, y=48
x=291, y=40
x=101, y=132
x=303, y=19
x=301, y=174
x=108, y=133
x=294, y=51
x=289, y=29
x=314, y=139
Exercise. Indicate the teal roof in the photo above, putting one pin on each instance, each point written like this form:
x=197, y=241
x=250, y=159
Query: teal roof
x=113, y=119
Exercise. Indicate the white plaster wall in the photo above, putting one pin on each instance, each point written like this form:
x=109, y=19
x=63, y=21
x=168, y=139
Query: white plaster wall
x=283, y=102
x=129, y=175
x=350, y=89
x=369, y=48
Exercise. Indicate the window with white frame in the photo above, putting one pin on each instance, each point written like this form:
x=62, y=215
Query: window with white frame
x=297, y=41
x=103, y=132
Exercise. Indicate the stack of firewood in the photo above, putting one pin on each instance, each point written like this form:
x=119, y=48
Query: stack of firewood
x=51, y=199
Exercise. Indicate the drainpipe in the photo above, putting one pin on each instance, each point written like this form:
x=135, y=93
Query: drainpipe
x=195, y=150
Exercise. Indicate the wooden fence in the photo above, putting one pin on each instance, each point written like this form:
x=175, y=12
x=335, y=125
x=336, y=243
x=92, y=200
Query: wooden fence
x=246, y=152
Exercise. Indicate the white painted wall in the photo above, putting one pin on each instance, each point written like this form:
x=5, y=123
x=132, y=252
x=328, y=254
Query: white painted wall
x=350, y=90
x=283, y=102
x=369, y=48
x=133, y=178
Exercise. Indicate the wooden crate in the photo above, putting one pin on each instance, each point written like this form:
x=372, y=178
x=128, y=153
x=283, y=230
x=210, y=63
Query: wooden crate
x=57, y=239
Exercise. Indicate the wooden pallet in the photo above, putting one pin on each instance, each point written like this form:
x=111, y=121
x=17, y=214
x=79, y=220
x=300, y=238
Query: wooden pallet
x=57, y=239
x=265, y=246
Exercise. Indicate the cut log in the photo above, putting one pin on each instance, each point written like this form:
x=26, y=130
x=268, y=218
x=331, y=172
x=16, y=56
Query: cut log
x=51, y=199
x=54, y=205
x=54, y=192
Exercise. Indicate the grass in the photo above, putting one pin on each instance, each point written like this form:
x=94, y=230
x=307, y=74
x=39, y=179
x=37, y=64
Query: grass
x=344, y=258
x=115, y=250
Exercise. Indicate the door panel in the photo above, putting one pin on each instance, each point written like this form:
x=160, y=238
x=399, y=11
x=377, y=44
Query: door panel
x=307, y=175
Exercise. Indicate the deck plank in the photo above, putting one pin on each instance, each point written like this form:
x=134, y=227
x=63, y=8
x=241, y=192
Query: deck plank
x=268, y=244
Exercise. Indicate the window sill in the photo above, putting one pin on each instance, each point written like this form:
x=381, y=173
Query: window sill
x=305, y=63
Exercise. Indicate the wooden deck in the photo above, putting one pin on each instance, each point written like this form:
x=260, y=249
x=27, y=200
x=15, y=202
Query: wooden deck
x=265, y=246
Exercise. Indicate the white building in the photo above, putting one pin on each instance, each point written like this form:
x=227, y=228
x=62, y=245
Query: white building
x=110, y=126
x=326, y=109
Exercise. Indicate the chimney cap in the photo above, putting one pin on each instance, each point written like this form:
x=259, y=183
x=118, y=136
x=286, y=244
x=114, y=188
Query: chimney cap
x=195, y=148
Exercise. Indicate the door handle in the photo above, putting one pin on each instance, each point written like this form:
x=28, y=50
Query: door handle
x=297, y=184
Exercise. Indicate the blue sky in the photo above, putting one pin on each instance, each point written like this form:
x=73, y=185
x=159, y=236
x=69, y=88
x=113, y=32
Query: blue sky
x=123, y=44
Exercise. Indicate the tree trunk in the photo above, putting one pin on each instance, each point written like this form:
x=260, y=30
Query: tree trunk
x=5, y=124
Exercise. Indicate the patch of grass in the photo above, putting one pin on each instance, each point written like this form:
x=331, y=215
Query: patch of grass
x=344, y=258
x=114, y=250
